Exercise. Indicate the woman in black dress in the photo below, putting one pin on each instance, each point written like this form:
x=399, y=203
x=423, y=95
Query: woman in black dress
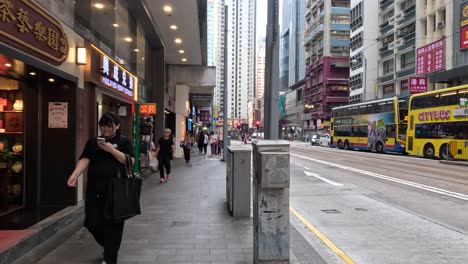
x=103, y=159
x=165, y=153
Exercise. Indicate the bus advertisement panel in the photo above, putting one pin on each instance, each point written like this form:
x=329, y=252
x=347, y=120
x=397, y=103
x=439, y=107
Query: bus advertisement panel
x=438, y=120
x=375, y=125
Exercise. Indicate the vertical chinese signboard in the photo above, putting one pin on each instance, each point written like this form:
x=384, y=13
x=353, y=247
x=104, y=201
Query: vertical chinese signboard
x=431, y=58
x=417, y=85
x=27, y=27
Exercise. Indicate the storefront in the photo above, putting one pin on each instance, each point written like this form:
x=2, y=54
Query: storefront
x=112, y=88
x=38, y=90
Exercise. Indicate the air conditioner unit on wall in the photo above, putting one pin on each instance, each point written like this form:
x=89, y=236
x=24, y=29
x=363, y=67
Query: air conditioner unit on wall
x=391, y=21
x=399, y=17
x=391, y=45
x=441, y=24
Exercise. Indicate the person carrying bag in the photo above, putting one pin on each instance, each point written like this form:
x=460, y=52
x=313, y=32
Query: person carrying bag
x=105, y=158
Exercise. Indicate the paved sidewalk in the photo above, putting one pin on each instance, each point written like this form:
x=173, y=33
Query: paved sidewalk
x=183, y=221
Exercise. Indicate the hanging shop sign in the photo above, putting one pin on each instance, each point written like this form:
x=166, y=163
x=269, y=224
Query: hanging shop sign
x=417, y=85
x=431, y=58
x=147, y=109
x=27, y=27
x=464, y=38
x=464, y=15
x=116, y=77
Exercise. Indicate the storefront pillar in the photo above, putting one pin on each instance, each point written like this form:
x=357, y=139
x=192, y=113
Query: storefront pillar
x=182, y=109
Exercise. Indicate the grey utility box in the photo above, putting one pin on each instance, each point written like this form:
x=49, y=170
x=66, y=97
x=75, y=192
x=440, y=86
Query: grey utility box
x=266, y=146
x=238, y=182
x=275, y=170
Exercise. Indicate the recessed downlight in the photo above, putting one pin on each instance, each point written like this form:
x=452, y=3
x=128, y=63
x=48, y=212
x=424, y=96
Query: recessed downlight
x=184, y=59
x=136, y=50
x=173, y=27
x=32, y=73
x=8, y=65
x=167, y=8
x=115, y=25
x=99, y=5
x=181, y=51
x=178, y=40
x=128, y=39
x=51, y=80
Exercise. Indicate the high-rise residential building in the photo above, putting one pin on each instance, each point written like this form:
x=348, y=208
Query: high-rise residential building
x=216, y=32
x=364, y=50
x=240, y=57
x=442, y=23
x=292, y=64
x=397, y=40
x=326, y=40
x=260, y=71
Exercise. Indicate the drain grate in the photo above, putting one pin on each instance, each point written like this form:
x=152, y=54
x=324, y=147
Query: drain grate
x=180, y=224
x=331, y=211
x=361, y=209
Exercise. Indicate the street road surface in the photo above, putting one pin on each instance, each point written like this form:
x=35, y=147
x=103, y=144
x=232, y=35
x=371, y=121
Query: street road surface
x=379, y=208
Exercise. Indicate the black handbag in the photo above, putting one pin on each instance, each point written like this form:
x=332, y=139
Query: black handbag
x=123, y=197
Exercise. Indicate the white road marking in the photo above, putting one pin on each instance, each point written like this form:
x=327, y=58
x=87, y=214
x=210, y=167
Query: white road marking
x=310, y=174
x=383, y=177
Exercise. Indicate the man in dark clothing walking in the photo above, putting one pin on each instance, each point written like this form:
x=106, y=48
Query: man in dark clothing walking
x=164, y=154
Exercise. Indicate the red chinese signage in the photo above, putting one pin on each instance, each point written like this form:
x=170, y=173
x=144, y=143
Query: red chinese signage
x=464, y=38
x=148, y=109
x=431, y=57
x=417, y=85
x=26, y=26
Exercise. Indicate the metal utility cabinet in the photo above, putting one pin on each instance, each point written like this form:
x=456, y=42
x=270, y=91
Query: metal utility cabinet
x=238, y=183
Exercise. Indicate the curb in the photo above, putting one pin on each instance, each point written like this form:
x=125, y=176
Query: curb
x=456, y=163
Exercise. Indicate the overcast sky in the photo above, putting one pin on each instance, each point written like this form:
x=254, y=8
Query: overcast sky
x=262, y=6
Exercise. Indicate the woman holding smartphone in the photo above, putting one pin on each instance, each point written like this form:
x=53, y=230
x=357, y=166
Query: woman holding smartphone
x=103, y=157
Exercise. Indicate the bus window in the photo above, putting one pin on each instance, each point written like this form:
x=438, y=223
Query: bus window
x=462, y=96
x=435, y=130
x=402, y=131
x=390, y=131
x=448, y=99
x=461, y=131
x=426, y=101
x=362, y=132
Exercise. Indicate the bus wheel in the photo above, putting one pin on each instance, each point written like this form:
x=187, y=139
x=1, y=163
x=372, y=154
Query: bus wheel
x=429, y=151
x=340, y=144
x=379, y=147
x=346, y=145
x=443, y=152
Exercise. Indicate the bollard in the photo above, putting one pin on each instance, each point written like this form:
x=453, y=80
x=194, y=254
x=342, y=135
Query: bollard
x=271, y=201
x=238, y=183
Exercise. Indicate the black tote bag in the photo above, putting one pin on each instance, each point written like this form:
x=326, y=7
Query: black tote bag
x=123, y=197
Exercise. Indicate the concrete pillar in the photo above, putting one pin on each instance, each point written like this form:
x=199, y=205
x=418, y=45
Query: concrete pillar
x=181, y=110
x=271, y=201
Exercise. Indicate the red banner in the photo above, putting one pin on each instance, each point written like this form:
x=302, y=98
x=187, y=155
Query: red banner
x=26, y=26
x=431, y=58
x=417, y=85
x=464, y=38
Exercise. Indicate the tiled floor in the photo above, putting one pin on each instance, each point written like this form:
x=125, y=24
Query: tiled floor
x=184, y=221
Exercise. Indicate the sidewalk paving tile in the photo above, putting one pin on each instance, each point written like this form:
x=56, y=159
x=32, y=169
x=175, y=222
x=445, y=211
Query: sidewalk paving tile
x=183, y=221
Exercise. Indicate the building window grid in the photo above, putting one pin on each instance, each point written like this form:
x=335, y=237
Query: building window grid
x=357, y=41
x=355, y=82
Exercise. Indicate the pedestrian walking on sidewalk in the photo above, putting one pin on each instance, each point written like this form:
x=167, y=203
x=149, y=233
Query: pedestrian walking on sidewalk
x=186, y=145
x=200, y=140
x=206, y=140
x=214, y=143
x=164, y=154
x=103, y=157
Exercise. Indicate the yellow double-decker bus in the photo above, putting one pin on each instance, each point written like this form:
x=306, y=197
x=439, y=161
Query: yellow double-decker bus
x=374, y=125
x=437, y=121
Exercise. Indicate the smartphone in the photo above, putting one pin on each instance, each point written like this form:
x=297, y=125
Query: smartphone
x=101, y=140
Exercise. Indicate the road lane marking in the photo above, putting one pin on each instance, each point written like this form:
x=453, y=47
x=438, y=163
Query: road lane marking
x=308, y=173
x=322, y=237
x=388, y=178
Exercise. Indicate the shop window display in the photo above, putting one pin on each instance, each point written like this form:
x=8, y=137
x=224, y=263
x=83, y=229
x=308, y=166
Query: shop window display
x=11, y=146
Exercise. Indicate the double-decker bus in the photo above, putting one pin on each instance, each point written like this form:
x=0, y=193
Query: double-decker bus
x=436, y=119
x=375, y=125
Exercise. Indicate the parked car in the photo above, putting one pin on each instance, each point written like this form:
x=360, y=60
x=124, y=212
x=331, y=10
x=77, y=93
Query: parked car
x=315, y=140
x=324, y=140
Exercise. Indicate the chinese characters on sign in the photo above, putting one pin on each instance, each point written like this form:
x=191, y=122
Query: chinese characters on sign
x=116, y=77
x=148, y=109
x=24, y=25
x=464, y=38
x=431, y=58
x=417, y=85
x=205, y=116
x=58, y=115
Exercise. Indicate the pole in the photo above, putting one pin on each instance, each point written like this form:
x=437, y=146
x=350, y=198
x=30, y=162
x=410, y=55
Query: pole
x=226, y=140
x=365, y=79
x=136, y=138
x=272, y=73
